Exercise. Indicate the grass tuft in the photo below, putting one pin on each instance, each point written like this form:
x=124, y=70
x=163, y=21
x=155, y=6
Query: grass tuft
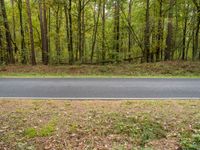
x=142, y=130
x=190, y=140
x=46, y=130
x=30, y=132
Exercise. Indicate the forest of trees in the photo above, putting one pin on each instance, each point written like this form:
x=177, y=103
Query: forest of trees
x=98, y=31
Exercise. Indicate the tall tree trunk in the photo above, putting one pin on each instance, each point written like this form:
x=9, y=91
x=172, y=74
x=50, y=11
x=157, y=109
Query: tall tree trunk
x=96, y=24
x=83, y=32
x=10, y=55
x=69, y=30
x=41, y=29
x=46, y=56
x=23, y=46
x=33, y=60
x=103, y=30
x=169, y=40
x=153, y=34
x=80, y=30
x=196, y=38
x=147, y=34
x=57, y=38
x=71, y=60
x=197, y=32
x=116, y=30
x=184, y=39
x=1, y=47
x=14, y=24
x=193, y=44
x=49, y=29
x=44, y=32
x=160, y=32
x=129, y=32
x=185, y=31
x=175, y=42
x=66, y=10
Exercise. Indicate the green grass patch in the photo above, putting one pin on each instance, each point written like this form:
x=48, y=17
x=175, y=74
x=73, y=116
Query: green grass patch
x=190, y=140
x=141, y=130
x=46, y=130
x=30, y=132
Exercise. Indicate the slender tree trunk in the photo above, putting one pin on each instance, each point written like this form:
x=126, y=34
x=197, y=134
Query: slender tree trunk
x=147, y=34
x=33, y=60
x=160, y=32
x=103, y=30
x=14, y=24
x=96, y=23
x=184, y=39
x=197, y=32
x=44, y=32
x=196, y=36
x=188, y=47
x=129, y=32
x=117, y=30
x=1, y=41
x=185, y=32
x=193, y=44
x=71, y=61
x=57, y=38
x=46, y=56
x=83, y=32
x=77, y=48
x=94, y=33
x=177, y=49
x=169, y=40
x=162, y=50
x=66, y=9
x=49, y=29
x=1, y=47
x=80, y=30
x=23, y=46
x=41, y=29
x=10, y=55
x=69, y=30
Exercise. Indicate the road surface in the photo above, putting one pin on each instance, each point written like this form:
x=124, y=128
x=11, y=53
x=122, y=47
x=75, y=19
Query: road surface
x=100, y=88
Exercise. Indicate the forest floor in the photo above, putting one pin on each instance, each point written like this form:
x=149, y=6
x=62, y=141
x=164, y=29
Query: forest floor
x=102, y=125
x=161, y=69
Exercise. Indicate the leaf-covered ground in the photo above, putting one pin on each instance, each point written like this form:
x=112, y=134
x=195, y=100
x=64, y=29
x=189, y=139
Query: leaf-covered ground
x=100, y=125
x=161, y=69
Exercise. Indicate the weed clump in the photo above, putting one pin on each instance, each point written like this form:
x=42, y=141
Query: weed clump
x=141, y=130
x=191, y=140
x=44, y=131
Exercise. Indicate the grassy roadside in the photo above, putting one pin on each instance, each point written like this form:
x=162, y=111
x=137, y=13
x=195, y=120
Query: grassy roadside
x=114, y=125
x=152, y=70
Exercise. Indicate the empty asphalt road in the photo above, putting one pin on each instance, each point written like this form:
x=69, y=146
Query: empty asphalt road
x=100, y=88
